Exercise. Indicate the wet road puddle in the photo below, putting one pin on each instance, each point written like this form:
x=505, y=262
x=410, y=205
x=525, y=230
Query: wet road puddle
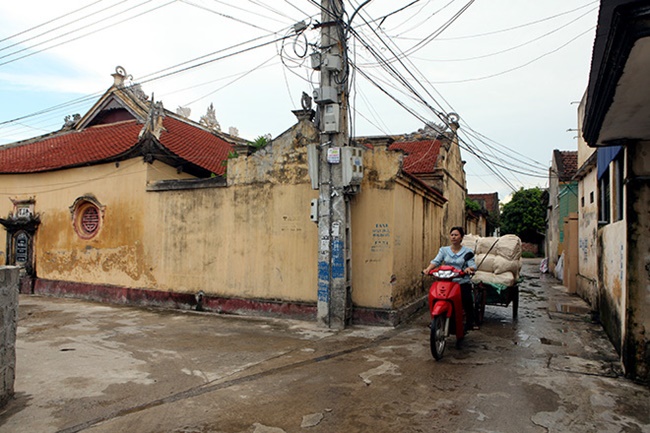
x=571, y=309
x=550, y=342
x=580, y=365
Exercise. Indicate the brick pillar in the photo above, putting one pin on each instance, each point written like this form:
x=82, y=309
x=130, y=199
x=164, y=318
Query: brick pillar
x=9, y=280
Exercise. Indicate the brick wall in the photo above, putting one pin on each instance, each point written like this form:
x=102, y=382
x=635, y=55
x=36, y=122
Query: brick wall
x=9, y=276
x=531, y=248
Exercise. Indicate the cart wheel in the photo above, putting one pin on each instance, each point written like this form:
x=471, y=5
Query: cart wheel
x=479, y=305
x=438, y=338
x=515, y=303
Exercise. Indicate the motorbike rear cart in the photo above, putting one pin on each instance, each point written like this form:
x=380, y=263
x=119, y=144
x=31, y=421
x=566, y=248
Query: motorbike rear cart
x=495, y=294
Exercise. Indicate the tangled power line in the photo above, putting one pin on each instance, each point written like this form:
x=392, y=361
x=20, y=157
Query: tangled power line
x=376, y=59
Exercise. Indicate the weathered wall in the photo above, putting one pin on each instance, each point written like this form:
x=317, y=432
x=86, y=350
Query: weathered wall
x=251, y=240
x=116, y=255
x=613, y=291
x=455, y=189
x=567, y=204
x=587, y=287
x=636, y=350
x=8, y=320
x=570, y=229
x=552, y=241
x=247, y=241
x=395, y=228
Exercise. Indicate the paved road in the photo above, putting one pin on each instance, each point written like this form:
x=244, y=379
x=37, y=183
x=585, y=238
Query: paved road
x=85, y=367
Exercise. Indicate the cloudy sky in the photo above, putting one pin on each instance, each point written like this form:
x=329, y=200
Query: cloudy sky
x=512, y=70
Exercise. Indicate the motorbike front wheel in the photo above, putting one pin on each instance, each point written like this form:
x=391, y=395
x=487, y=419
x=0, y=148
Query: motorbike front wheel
x=438, y=340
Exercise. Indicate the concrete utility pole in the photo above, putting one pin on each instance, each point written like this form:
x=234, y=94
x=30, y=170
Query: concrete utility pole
x=334, y=297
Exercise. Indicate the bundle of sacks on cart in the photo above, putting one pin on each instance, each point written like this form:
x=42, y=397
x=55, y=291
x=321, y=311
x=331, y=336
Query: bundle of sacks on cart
x=498, y=258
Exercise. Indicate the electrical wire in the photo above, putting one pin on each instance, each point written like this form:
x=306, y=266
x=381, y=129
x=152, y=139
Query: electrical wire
x=232, y=81
x=79, y=37
x=468, y=148
x=58, y=28
x=498, y=74
x=520, y=26
x=49, y=21
x=483, y=56
x=346, y=29
x=188, y=2
x=257, y=14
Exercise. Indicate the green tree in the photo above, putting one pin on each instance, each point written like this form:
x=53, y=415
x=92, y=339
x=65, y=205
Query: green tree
x=525, y=215
x=259, y=142
x=472, y=205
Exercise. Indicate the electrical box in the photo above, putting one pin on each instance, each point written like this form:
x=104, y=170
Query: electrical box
x=352, y=165
x=326, y=95
x=331, y=62
x=331, y=115
x=313, y=213
x=299, y=27
x=316, y=61
x=312, y=164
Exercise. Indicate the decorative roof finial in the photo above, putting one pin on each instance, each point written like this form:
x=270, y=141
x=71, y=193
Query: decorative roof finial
x=119, y=76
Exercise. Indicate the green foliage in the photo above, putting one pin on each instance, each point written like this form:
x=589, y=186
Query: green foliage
x=527, y=255
x=472, y=205
x=259, y=142
x=231, y=155
x=525, y=215
x=493, y=221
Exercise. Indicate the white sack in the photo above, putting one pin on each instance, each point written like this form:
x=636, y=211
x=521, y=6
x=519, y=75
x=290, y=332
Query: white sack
x=509, y=246
x=507, y=278
x=484, y=245
x=470, y=242
x=485, y=262
x=501, y=265
x=559, y=268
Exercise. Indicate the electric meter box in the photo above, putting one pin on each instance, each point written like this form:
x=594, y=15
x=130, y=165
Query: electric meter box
x=316, y=60
x=313, y=210
x=352, y=165
x=331, y=62
x=331, y=114
x=325, y=95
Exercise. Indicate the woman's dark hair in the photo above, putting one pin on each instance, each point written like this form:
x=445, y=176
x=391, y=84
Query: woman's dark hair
x=459, y=229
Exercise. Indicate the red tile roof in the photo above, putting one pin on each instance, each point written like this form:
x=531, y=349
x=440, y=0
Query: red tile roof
x=195, y=145
x=567, y=164
x=70, y=148
x=421, y=155
x=97, y=143
x=490, y=200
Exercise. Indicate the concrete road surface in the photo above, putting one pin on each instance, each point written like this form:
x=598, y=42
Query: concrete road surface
x=86, y=367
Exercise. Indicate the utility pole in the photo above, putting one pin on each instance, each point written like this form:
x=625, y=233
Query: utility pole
x=334, y=290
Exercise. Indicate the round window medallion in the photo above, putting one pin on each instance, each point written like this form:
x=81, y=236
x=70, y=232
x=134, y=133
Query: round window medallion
x=87, y=220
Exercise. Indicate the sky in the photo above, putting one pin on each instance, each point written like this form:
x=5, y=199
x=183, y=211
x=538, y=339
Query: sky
x=513, y=71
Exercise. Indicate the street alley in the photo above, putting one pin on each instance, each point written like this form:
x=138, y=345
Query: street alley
x=88, y=367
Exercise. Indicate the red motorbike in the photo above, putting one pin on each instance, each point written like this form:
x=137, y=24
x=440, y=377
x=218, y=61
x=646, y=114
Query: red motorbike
x=446, y=307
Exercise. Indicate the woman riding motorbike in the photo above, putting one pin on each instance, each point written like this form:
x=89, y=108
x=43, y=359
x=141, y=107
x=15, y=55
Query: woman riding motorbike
x=454, y=255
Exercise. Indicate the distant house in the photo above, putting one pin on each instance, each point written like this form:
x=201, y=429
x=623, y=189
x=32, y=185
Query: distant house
x=588, y=216
x=434, y=158
x=482, y=222
x=131, y=203
x=616, y=113
x=563, y=200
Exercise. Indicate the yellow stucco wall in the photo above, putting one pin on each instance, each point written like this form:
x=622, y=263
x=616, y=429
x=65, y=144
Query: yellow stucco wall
x=613, y=262
x=587, y=238
x=116, y=255
x=252, y=239
x=395, y=228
